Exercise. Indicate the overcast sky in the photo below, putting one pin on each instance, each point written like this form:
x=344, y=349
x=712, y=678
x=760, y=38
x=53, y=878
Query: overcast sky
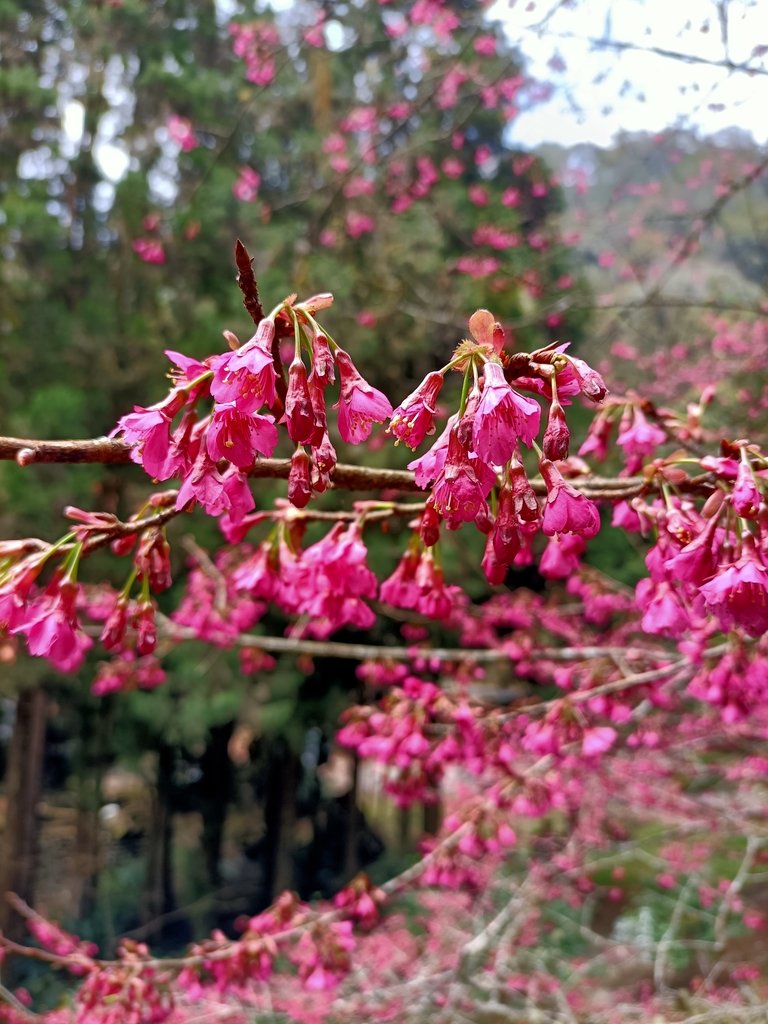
x=601, y=91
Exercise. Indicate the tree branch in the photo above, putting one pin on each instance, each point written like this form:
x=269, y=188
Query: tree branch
x=110, y=451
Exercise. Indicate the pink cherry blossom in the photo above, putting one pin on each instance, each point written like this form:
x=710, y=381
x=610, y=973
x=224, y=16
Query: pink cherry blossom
x=502, y=418
x=247, y=375
x=414, y=418
x=359, y=405
x=239, y=437
x=458, y=494
x=566, y=510
x=52, y=629
x=738, y=594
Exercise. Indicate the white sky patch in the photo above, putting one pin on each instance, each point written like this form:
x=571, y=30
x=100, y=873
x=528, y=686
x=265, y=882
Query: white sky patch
x=602, y=91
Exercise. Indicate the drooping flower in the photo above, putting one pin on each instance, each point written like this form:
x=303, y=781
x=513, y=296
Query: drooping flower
x=15, y=592
x=414, y=418
x=360, y=405
x=52, y=629
x=149, y=431
x=557, y=436
x=738, y=595
x=502, y=418
x=562, y=556
x=458, y=495
x=322, y=360
x=517, y=515
x=746, y=496
x=299, y=412
x=216, y=492
x=150, y=250
x=638, y=437
x=598, y=438
x=246, y=188
x=182, y=133
x=695, y=562
x=495, y=570
x=330, y=581
x=663, y=612
x=401, y=589
x=299, y=482
x=566, y=510
x=590, y=382
x=429, y=466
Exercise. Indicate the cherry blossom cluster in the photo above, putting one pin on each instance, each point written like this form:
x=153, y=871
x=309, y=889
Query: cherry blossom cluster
x=211, y=453
x=483, y=443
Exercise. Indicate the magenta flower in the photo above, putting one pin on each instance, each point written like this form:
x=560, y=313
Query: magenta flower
x=182, y=133
x=259, y=575
x=597, y=740
x=150, y=250
x=746, y=496
x=15, y=592
x=517, y=514
x=562, y=557
x=436, y=600
x=246, y=188
x=401, y=589
x=149, y=431
x=322, y=360
x=663, y=614
x=502, y=418
x=329, y=582
x=738, y=595
x=429, y=466
x=299, y=412
x=299, y=482
x=247, y=375
x=598, y=438
x=216, y=492
x=52, y=629
x=495, y=571
x=359, y=405
x=458, y=494
x=566, y=510
x=695, y=562
x=591, y=383
x=414, y=418
x=640, y=438
x=557, y=436
x=239, y=437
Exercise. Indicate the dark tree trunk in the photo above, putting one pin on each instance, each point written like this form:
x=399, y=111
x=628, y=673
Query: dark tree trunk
x=159, y=897
x=216, y=789
x=18, y=859
x=279, y=819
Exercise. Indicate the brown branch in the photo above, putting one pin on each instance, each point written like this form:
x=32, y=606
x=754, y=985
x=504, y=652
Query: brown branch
x=110, y=451
x=382, y=652
x=103, y=450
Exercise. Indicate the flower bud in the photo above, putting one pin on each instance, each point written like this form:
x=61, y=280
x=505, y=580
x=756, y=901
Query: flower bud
x=299, y=485
x=557, y=436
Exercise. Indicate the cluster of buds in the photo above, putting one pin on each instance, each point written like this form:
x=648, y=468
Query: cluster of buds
x=708, y=572
x=322, y=954
x=136, y=991
x=406, y=734
x=480, y=446
x=252, y=391
x=223, y=966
